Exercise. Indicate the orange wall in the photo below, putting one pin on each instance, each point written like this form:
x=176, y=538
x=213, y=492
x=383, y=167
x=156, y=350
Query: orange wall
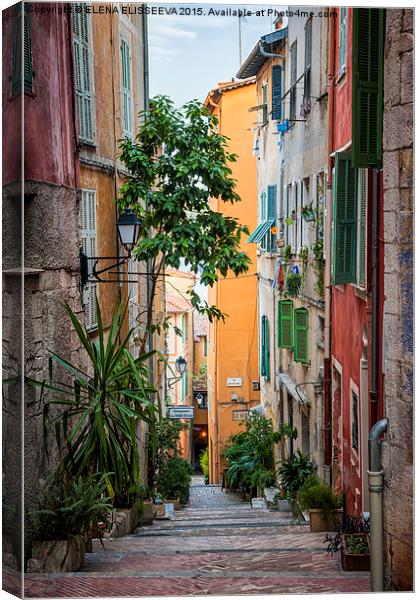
x=233, y=345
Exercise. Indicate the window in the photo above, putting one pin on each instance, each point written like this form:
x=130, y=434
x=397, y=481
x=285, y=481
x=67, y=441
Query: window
x=204, y=345
x=285, y=320
x=87, y=222
x=269, y=242
x=265, y=350
x=301, y=335
x=261, y=233
x=126, y=89
x=265, y=103
x=287, y=232
x=320, y=207
x=343, y=41
x=305, y=201
x=184, y=327
x=276, y=92
x=17, y=52
x=293, y=78
x=294, y=216
x=354, y=421
x=83, y=65
x=308, y=60
x=367, y=86
x=184, y=385
x=344, y=220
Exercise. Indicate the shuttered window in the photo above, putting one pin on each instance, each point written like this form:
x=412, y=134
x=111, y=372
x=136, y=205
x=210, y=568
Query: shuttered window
x=342, y=58
x=345, y=220
x=265, y=349
x=285, y=318
x=361, y=228
x=308, y=59
x=367, y=86
x=87, y=221
x=276, y=92
x=270, y=240
x=83, y=67
x=127, y=102
x=21, y=26
x=293, y=78
x=300, y=327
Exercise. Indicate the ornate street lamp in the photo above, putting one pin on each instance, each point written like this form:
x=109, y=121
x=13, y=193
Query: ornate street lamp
x=128, y=227
x=180, y=366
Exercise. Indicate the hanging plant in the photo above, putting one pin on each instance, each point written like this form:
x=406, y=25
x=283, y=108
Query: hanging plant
x=318, y=250
x=293, y=284
x=304, y=254
x=288, y=252
x=289, y=221
x=308, y=212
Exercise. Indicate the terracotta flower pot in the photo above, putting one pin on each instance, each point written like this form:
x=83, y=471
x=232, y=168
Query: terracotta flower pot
x=149, y=512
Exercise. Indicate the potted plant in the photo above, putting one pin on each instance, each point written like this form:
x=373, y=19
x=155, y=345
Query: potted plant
x=293, y=473
x=204, y=464
x=308, y=212
x=287, y=252
x=174, y=481
x=325, y=509
x=293, y=284
x=355, y=552
x=66, y=513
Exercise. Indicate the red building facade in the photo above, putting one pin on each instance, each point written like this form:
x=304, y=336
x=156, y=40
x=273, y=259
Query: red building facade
x=357, y=271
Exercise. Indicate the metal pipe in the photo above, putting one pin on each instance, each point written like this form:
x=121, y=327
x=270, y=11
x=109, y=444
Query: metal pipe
x=375, y=475
x=269, y=54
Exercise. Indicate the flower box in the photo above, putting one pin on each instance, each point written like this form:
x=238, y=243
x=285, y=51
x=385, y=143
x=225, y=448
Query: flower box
x=54, y=556
x=322, y=521
x=351, y=561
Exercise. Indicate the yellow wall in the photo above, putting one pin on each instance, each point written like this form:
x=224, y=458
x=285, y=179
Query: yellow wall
x=233, y=345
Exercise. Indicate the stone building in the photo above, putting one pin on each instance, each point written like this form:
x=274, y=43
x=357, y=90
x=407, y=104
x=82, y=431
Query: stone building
x=81, y=82
x=398, y=309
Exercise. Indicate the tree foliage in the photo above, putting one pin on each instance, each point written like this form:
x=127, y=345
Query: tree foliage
x=176, y=163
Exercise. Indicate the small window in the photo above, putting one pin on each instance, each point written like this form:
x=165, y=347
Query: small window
x=276, y=92
x=285, y=320
x=301, y=318
x=127, y=101
x=343, y=41
x=354, y=421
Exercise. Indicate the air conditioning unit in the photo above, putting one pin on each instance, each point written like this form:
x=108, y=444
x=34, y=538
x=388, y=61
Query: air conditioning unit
x=256, y=386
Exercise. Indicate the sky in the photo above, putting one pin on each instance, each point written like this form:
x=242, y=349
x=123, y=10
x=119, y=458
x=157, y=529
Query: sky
x=190, y=55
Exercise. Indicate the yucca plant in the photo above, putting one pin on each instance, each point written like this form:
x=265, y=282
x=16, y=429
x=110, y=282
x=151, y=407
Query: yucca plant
x=96, y=431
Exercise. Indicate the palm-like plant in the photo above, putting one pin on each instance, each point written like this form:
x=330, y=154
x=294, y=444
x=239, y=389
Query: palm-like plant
x=98, y=425
x=294, y=471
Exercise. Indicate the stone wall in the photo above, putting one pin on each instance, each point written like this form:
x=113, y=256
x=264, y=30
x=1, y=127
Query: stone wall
x=51, y=280
x=398, y=284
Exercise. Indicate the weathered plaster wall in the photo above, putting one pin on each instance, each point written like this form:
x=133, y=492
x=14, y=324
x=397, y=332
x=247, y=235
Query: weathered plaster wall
x=398, y=318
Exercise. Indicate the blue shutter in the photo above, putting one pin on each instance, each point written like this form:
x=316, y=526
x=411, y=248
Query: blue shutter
x=276, y=92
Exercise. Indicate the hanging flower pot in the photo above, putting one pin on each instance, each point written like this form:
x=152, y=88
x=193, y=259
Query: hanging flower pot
x=273, y=230
x=308, y=213
x=280, y=243
x=289, y=221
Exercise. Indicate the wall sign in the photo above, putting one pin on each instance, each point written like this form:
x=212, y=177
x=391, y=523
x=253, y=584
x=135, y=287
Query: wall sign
x=181, y=412
x=234, y=382
x=240, y=415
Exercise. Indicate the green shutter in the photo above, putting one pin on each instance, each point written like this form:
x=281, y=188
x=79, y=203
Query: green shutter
x=301, y=335
x=367, y=86
x=265, y=349
x=285, y=332
x=362, y=227
x=276, y=92
x=17, y=53
x=345, y=220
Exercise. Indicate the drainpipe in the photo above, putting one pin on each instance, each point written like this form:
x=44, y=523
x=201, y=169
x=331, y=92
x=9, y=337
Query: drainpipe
x=374, y=372
x=375, y=475
x=327, y=272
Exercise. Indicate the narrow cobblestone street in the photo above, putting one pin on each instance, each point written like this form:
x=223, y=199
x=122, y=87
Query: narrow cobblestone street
x=215, y=545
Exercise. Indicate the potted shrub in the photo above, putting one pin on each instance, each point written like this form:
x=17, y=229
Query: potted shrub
x=66, y=513
x=174, y=481
x=293, y=473
x=355, y=552
x=324, y=507
x=204, y=464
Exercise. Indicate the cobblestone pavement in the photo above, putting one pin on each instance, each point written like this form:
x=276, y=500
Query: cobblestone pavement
x=216, y=545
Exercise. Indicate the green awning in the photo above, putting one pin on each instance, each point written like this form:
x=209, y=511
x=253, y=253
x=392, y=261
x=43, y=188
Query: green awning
x=257, y=235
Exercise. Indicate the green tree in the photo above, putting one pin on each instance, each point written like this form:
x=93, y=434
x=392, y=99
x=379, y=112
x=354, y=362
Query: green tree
x=176, y=163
